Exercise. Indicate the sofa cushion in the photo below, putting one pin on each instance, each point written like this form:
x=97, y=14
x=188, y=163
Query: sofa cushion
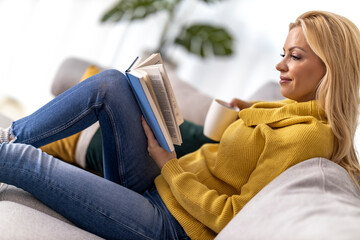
x=315, y=199
x=11, y=193
x=22, y=216
x=21, y=222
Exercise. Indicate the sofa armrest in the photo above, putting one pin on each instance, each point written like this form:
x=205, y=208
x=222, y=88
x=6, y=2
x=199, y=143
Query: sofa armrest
x=315, y=199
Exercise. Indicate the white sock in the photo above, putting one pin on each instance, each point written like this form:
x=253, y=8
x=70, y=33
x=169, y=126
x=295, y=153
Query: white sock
x=5, y=135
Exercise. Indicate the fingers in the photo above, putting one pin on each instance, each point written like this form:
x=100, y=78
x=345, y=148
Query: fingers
x=156, y=152
x=239, y=103
x=235, y=102
x=148, y=132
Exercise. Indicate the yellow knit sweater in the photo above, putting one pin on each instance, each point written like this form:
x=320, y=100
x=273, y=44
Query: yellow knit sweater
x=204, y=190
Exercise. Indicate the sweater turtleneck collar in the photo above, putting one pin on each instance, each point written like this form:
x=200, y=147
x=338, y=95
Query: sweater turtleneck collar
x=271, y=112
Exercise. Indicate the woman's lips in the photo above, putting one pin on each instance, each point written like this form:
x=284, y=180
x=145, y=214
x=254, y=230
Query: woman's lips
x=284, y=80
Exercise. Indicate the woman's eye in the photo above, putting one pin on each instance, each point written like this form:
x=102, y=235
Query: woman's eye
x=295, y=57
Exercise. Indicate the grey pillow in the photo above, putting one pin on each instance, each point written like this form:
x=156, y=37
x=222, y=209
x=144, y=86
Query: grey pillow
x=315, y=199
x=4, y=121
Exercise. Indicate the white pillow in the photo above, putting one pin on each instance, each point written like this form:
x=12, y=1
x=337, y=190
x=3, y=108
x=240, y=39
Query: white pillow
x=315, y=199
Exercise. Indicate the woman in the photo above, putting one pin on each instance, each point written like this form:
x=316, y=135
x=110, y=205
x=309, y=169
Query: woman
x=197, y=195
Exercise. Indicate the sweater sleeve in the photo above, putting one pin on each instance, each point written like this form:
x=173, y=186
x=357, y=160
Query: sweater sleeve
x=206, y=205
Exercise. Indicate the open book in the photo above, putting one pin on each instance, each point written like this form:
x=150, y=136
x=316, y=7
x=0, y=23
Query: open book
x=152, y=89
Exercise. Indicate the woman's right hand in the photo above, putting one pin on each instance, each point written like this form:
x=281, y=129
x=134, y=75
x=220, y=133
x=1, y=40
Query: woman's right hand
x=240, y=103
x=156, y=152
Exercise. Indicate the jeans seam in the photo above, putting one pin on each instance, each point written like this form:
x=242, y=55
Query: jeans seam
x=118, y=148
x=61, y=128
x=35, y=114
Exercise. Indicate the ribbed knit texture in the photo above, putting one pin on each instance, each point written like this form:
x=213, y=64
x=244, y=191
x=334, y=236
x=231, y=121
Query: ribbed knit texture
x=5, y=135
x=204, y=190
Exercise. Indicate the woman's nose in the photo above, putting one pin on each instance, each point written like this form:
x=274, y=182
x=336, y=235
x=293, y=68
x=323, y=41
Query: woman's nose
x=281, y=66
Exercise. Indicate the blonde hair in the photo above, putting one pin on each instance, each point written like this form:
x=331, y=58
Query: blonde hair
x=336, y=41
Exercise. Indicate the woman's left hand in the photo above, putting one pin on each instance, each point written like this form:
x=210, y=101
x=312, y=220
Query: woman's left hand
x=157, y=153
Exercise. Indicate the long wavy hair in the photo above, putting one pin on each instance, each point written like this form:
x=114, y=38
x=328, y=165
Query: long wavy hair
x=336, y=41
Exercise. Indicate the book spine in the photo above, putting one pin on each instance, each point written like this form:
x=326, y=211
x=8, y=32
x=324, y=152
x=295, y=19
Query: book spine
x=136, y=59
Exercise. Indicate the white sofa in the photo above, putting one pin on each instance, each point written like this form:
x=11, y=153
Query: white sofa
x=315, y=199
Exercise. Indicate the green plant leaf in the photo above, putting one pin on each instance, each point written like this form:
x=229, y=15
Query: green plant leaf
x=136, y=9
x=210, y=1
x=206, y=40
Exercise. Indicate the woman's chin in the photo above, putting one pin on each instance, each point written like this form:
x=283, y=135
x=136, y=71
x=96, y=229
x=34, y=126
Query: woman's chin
x=285, y=93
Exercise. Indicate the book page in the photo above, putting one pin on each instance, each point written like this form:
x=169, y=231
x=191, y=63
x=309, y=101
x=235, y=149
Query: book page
x=164, y=103
x=171, y=94
x=146, y=79
x=162, y=124
x=156, y=60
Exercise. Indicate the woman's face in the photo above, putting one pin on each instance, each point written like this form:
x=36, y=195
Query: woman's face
x=300, y=69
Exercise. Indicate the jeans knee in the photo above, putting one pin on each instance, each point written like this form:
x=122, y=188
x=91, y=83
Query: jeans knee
x=113, y=82
x=113, y=76
x=113, y=73
x=111, y=79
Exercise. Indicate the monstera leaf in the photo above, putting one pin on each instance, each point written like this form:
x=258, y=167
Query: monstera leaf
x=203, y=40
x=137, y=9
x=206, y=40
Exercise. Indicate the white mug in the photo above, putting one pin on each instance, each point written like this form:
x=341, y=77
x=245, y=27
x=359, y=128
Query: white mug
x=220, y=115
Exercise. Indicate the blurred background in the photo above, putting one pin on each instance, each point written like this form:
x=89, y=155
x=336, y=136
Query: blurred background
x=247, y=39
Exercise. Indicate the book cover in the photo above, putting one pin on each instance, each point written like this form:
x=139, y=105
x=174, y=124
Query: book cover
x=148, y=112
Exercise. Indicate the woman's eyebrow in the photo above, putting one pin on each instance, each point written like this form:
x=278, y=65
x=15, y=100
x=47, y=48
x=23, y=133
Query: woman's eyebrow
x=292, y=48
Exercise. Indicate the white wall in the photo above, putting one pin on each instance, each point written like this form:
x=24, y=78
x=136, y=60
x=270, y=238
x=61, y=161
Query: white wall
x=37, y=35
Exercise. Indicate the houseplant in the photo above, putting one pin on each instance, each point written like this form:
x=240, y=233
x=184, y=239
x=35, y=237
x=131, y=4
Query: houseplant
x=201, y=39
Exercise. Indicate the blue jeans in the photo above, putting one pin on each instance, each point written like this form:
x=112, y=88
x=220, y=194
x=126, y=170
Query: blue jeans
x=124, y=204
